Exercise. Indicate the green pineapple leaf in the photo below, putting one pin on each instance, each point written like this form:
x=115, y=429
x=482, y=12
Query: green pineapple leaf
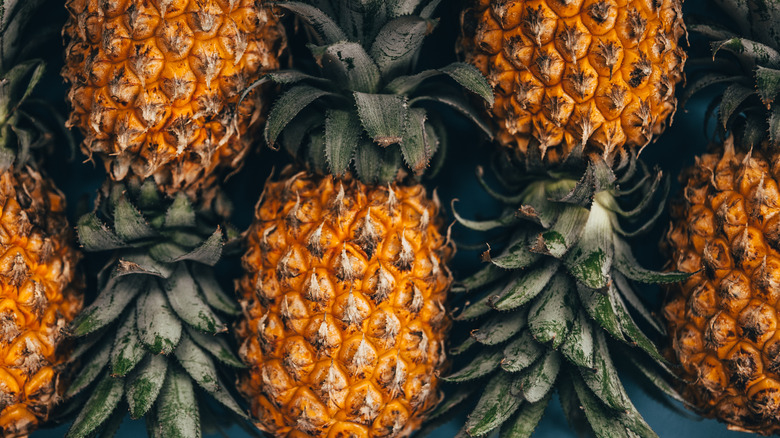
x=183, y=297
x=289, y=105
x=158, y=327
x=480, y=366
x=108, y=305
x=98, y=408
x=177, y=411
x=144, y=384
x=564, y=233
x=552, y=313
x=383, y=116
x=95, y=236
x=128, y=350
x=349, y=66
x=599, y=306
x=201, y=368
x=527, y=286
x=734, y=96
x=578, y=347
x=500, y=328
x=213, y=293
x=327, y=30
x=767, y=84
x=517, y=255
x=537, y=381
x=91, y=368
x=495, y=406
x=603, y=378
x=590, y=259
x=415, y=146
x=398, y=42
x=217, y=346
x=521, y=353
x=342, y=136
x=181, y=213
x=129, y=224
x=488, y=274
x=526, y=419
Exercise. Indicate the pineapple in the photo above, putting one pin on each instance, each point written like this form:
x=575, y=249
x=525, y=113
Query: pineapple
x=344, y=299
x=155, y=85
x=573, y=76
x=722, y=320
x=345, y=302
x=40, y=287
x=41, y=293
x=552, y=307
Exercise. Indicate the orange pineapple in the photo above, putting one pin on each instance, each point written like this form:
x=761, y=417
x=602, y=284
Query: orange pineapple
x=596, y=73
x=345, y=294
x=345, y=304
x=155, y=84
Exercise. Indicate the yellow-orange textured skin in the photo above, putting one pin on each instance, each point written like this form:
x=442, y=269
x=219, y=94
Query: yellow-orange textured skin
x=155, y=84
x=38, y=298
x=345, y=311
x=723, y=321
x=571, y=72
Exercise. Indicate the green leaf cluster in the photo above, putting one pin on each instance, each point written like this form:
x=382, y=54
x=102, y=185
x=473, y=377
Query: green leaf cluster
x=153, y=338
x=26, y=123
x=745, y=68
x=553, y=306
x=363, y=107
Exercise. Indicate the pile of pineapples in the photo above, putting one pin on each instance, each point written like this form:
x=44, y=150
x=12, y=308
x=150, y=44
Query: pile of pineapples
x=338, y=312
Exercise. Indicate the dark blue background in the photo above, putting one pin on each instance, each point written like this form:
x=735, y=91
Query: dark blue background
x=672, y=151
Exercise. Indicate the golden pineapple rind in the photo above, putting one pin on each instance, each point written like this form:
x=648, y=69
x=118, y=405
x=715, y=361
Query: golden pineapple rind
x=155, y=84
x=38, y=297
x=723, y=320
x=567, y=72
x=345, y=311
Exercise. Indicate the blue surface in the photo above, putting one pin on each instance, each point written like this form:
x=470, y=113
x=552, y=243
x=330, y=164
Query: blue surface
x=674, y=150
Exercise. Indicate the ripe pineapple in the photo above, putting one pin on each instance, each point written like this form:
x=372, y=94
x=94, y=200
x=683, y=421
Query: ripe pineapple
x=155, y=84
x=570, y=76
x=40, y=293
x=345, y=307
x=344, y=298
x=722, y=321
x=552, y=308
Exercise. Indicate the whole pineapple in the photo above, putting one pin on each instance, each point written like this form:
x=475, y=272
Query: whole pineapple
x=570, y=76
x=724, y=231
x=345, y=294
x=155, y=85
x=40, y=289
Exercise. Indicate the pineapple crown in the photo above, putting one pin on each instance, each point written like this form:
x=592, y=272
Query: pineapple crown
x=154, y=334
x=363, y=106
x=745, y=65
x=552, y=307
x=24, y=121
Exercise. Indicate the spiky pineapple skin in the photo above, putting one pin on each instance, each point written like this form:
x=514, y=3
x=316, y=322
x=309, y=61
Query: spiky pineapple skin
x=570, y=72
x=155, y=84
x=723, y=321
x=345, y=311
x=39, y=295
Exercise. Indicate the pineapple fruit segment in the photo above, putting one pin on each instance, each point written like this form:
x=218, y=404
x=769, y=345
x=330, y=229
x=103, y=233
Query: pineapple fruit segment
x=723, y=321
x=345, y=308
x=597, y=75
x=39, y=297
x=155, y=85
